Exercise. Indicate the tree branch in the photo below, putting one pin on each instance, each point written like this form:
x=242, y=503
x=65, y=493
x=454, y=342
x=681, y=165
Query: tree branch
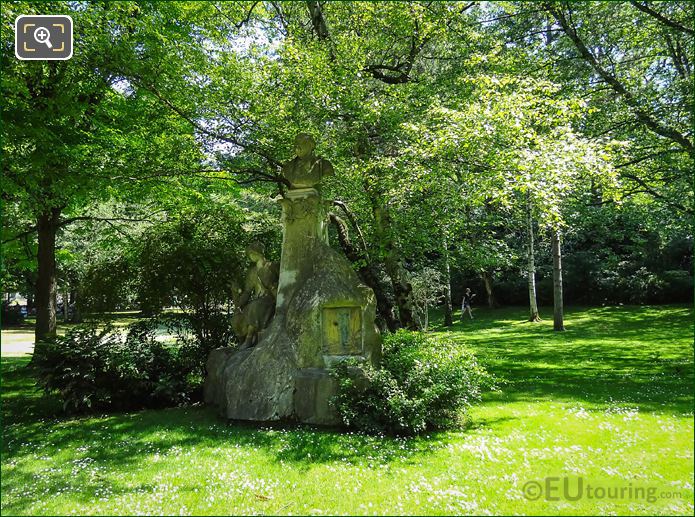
x=225, y=138
x=318, y=21
x=648, y=157
x=353, y=220
x=648, y=189
x=243, y=22
x=401, y=69
x=376, y=71
x=71, y=220
x=21, y=235
x=281, y=17
x=630, y=100
x=666, y=21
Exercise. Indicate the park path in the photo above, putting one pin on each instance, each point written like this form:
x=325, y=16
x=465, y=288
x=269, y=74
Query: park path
x=17, y=342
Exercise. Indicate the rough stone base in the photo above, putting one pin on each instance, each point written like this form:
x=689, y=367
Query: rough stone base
x=259, y=384
x=314, y=388
x=256, y=383
x=234, y=386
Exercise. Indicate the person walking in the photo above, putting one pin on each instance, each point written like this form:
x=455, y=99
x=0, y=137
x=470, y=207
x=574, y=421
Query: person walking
x=466, y=303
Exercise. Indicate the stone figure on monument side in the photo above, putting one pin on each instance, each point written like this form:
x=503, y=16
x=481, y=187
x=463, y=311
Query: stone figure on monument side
x=306, y=170
x=257, y=300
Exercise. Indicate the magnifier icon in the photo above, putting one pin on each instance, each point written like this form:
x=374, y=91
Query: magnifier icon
x=42, y=35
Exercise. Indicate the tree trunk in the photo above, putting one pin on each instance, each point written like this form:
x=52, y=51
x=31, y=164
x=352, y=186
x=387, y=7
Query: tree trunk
x=427, y=317
x=558, y=320
x=448, y=307
x=531, y=271
x=317, y=20
x=66, y=305
x=392, y=263
x=46, y=279
x=486, y=276
x=76, y=315
x=366, y=271
x=30, y=302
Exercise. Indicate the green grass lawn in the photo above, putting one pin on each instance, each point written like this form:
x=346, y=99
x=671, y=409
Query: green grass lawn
x=609, y=402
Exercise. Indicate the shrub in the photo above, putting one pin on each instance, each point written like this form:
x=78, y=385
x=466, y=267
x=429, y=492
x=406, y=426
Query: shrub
x=422, y=383
x=11, y=315
x=678, y=286
x=195, y=261
x=109, y=283
x=94, y=368
x=641, y=286
x=195, y=338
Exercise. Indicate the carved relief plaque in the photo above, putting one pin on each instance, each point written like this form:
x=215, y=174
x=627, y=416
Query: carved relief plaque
x=342, y=331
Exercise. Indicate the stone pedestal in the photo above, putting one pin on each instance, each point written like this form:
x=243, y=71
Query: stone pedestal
x=304, y=230
x=324, y=314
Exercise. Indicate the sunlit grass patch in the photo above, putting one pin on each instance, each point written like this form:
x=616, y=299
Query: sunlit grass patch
x=609, y=401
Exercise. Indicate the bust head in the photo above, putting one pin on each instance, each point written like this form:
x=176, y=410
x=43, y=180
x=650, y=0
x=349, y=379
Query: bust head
x=255, y=251
x=304, y=145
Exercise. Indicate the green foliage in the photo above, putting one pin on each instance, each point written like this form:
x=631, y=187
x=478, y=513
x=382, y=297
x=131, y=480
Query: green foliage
x=195, y=261
x=180, y=260
x=108, y=284
x=428, y=289
x=628, y=255
x=442, y=114
x=11, y=314
x=196, y=335
x=648, y=55
x=422, y=383
x=73, y=131
x=93, y=368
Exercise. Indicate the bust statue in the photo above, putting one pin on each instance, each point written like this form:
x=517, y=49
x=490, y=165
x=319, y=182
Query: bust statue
x=306, y=170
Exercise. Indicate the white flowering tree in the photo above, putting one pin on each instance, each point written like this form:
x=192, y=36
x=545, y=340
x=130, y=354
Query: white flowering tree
x=429, y=286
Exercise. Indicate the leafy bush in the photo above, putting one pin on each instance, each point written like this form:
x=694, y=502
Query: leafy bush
x=195, y=338
x=196, y=262
x=422, y=383
x=94, y=368
x=642, y=285
x=109, y=283
x=678, y=286
x=192, y=261
x=11, y=315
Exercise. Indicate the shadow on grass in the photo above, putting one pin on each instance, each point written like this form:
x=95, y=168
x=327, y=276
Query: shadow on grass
x=640, y=357
x=32, y=418
x=35, y=430
x=637, y=356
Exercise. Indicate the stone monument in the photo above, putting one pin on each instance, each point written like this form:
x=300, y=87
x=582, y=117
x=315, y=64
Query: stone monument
x=323, y=314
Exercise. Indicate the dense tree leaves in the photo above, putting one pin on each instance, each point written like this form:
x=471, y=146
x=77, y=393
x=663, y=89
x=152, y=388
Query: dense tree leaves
x=73, y=137
x=442, y=119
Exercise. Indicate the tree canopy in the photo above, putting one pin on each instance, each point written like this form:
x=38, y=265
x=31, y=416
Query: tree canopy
x=446, y=122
